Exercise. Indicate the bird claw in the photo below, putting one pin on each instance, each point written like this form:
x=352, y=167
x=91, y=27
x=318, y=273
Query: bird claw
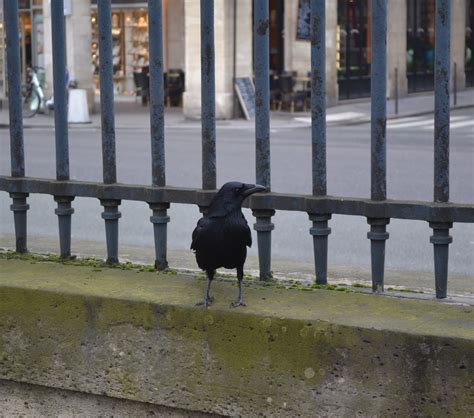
x=237, y=303
x=206, y=302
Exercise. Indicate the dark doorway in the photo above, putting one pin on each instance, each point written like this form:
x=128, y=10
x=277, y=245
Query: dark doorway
x=469, y=66
x=420, y=45
x=353, y=48
x=277, y=57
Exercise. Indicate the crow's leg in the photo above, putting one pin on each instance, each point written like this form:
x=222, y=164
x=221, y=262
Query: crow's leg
x=207, y=298
x=240, y=277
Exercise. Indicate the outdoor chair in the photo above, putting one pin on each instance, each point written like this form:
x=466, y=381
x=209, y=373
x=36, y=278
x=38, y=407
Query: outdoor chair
x=290, y=99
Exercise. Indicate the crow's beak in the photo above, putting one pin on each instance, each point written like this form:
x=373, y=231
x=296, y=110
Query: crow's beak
x=253, y=188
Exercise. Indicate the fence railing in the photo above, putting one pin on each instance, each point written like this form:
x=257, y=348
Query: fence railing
x=378, y=210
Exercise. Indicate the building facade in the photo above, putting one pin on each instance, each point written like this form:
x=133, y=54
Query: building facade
x=410, y=45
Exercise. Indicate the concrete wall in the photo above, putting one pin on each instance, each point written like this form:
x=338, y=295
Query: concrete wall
x=139, y=337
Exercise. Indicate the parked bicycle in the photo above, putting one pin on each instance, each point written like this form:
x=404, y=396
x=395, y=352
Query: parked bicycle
x=34, y=100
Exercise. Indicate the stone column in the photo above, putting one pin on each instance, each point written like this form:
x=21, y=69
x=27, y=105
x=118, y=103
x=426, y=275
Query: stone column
x=397, y=47
x=223, y=29
x=78, y=42
x=48, y=49
x=458, y=41
x=78, y=47
x=332, y=89
x=174, y=39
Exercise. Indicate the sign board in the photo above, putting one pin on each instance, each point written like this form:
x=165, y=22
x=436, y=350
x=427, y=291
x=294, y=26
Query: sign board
x=246, y=93
x=303, y=25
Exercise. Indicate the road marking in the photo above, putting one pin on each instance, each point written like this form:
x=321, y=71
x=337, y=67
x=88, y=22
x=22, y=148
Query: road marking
x=335, y=117
x=424, y=124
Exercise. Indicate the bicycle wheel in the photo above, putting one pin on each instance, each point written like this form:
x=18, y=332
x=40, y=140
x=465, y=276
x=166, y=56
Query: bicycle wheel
x=31, y=103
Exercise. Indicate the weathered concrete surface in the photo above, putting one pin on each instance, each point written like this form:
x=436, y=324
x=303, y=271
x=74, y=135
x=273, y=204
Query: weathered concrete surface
x=139, y=336
x=26, y=400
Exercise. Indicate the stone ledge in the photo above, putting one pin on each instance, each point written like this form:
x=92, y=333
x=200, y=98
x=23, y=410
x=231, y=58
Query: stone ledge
x=139, y=336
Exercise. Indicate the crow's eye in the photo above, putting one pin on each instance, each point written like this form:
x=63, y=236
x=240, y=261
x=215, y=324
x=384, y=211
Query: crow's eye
x=237, y=190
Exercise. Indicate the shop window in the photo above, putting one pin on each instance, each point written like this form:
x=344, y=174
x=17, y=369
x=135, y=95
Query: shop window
x=469, y=57
x=353, y=48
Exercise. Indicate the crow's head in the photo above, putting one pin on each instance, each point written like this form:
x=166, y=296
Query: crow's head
x=230, y=197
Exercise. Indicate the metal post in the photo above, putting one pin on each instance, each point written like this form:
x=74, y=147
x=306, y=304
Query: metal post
x=64, y=212
x=160, y=221
x=111, y=214
x=263, y=226
x=378, y=235
x=378, y=87
x=441, y=238
x=320, y=230
x=208, y=95
x=64, y=209
x=157, y=123
x=19, y=206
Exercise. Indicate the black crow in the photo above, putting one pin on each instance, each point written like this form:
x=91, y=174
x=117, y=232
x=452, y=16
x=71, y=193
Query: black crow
x=222, y=235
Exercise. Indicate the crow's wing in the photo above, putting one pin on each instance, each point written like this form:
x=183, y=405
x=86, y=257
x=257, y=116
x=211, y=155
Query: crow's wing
x=198, y=232
x=248, y=233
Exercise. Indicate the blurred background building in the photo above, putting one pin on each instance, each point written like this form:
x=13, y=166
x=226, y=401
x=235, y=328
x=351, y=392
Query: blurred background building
x=410, y=47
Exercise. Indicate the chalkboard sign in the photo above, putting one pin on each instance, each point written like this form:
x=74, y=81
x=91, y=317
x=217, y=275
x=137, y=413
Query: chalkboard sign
x=303, y=29
x=246, y=94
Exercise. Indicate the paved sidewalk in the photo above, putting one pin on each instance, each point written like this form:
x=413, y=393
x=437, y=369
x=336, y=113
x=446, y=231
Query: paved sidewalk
x=130, y=114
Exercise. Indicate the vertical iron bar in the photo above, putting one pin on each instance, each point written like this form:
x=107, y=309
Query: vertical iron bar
x=111, y=213
x=19, y=205
x=263, y=225
x=157, y=122
x=441, y=122
x=60, y=90
x=106, y=91
x=318, y=95
x=208, y=95
x=378, y=88
x=64, y=209
x=441, y=238
x=262, y=92
x=10, y=13
x=320, y=230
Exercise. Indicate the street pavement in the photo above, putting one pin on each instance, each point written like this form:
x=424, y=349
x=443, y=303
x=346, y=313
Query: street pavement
x=410, y=177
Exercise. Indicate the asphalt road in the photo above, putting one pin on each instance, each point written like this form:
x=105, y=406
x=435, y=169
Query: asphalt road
x=410, y=176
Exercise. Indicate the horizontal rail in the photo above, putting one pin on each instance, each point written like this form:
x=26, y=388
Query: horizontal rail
x=398, y=209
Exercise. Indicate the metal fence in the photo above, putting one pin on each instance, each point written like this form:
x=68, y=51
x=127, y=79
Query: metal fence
x=378, y=210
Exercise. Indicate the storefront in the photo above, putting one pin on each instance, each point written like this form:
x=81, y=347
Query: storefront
x=130, y=43
x=420, y=45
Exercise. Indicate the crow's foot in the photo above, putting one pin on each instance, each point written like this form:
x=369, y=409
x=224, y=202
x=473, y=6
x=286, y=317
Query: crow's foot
x=206, y=302
x=237, y=303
